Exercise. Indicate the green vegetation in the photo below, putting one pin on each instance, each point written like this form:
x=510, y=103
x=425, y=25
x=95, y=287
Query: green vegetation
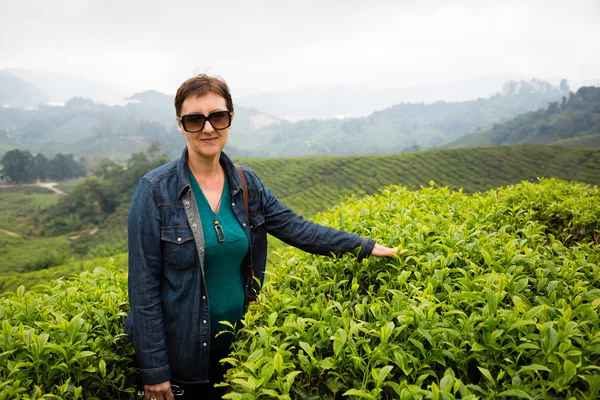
x=20, y=254
x=313, y=184
x=64, y=340
x=22, y=166
x=577, y=117
x=91, y=221
x=585, y=141
x=19, y=203
x=11, y=281
x=497, y=297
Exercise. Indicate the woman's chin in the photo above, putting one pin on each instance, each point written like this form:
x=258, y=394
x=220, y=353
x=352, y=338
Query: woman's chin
x=207, y=151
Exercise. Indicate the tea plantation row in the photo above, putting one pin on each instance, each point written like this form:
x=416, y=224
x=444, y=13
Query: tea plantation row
x=308, y=185
x=497, y=297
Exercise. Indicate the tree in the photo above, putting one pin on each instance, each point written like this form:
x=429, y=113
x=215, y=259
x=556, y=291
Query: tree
x=40, y=167
x=18, y=166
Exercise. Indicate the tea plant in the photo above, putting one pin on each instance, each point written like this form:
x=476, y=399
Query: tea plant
x=488, y=302
x=64, y=340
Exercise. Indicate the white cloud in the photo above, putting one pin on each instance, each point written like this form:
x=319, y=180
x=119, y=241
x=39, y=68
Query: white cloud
x=275, y=44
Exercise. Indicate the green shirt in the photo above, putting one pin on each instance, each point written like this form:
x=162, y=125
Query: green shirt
x=222, y=263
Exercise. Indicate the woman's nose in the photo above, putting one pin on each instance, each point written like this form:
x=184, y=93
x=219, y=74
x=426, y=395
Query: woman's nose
x=207, y=128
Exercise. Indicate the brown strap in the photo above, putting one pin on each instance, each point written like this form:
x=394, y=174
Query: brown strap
x=252, y=295
x=244, y=188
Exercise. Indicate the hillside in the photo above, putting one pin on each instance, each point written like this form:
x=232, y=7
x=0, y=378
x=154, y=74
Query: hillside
x=91, y=220
x=403, y=127
x=576, y=117
x=94, y=130
x=16, y=92
x=312, y=184
x=97, y=131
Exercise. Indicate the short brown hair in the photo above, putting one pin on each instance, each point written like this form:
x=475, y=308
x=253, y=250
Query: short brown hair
x=199, y=86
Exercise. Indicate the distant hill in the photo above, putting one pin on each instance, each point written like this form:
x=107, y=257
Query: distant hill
x=403, y=127
x=95, y=131
x=59, y=88
x=16, y=92
x=353, y=100
x=565, y=124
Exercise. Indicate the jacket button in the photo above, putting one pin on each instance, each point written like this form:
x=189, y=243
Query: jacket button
x=204, y=344
x=194, y=225
x=204, y=321
x=244, y=224
x=179, y=239
x=187, y=203
x=233, y=204
x=203, y=297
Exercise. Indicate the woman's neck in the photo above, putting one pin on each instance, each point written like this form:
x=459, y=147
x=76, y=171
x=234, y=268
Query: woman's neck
x=205, y=168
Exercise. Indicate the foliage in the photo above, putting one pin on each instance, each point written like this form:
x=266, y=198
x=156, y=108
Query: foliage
x=487, y=303
x=585, y=141
x=577, y=117
x=91, y=202
x=313, y=184
x=19, y=204
x=9, y=282
x=64, y=340
x=22, y=166
x=24, y=254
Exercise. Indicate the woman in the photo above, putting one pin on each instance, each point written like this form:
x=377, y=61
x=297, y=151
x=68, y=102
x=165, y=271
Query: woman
x=194, y=248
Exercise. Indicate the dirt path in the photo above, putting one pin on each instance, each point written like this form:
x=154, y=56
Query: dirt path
x=11, y=233
x=50, y=185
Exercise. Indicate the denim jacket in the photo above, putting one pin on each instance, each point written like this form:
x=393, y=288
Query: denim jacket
x=169, y=313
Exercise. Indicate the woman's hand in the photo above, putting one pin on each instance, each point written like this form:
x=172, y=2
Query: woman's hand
x=160, y=391
x=382, y=251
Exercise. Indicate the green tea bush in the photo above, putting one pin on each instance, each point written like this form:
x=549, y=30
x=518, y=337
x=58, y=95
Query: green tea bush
x=488, y=302
x=64, y=340
x=493, y=299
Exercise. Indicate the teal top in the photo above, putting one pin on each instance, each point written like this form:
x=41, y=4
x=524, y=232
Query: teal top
x=222, y=263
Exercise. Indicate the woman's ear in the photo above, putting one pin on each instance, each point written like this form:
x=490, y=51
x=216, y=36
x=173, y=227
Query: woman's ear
x=180, y=126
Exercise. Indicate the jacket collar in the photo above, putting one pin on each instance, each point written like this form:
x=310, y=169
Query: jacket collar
x=235, y=183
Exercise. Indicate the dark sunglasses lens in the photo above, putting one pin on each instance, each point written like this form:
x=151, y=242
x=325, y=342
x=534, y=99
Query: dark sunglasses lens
x=193, y=123
x=220, y=119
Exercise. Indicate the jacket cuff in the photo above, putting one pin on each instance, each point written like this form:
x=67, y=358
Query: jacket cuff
x=155, y=375
x=366, y=248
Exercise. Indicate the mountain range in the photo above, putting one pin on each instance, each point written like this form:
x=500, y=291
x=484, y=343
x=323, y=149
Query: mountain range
x=92, y=130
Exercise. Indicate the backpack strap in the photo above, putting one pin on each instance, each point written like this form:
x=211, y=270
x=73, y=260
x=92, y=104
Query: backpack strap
x=252, y=295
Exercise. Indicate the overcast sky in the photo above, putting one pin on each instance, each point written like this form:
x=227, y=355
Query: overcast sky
x=272, y=45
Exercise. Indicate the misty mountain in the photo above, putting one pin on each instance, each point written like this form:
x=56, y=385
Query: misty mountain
x=339, y=101
x=573, y=123
x=86, y=128
x=59, y=88
x=403, y=127
x=16, y=92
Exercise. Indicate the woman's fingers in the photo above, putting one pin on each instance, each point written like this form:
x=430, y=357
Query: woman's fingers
x=160, y=391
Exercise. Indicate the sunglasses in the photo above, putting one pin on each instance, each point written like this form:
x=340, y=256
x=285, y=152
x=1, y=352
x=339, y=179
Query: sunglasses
x=195, y=122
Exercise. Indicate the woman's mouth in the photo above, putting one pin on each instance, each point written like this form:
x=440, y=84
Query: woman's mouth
x=209, y=140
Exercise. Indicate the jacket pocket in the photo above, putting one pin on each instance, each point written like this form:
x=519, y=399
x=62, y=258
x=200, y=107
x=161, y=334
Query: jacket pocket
x=178, y=247
x=256, y=221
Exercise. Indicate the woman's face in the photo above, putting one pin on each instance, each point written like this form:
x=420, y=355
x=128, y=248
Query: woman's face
x=209, y=142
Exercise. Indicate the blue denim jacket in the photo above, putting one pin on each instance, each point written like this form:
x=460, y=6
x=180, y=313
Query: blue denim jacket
x=169, y=313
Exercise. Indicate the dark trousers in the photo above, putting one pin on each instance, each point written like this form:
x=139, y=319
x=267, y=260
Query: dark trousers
x=207, y=391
